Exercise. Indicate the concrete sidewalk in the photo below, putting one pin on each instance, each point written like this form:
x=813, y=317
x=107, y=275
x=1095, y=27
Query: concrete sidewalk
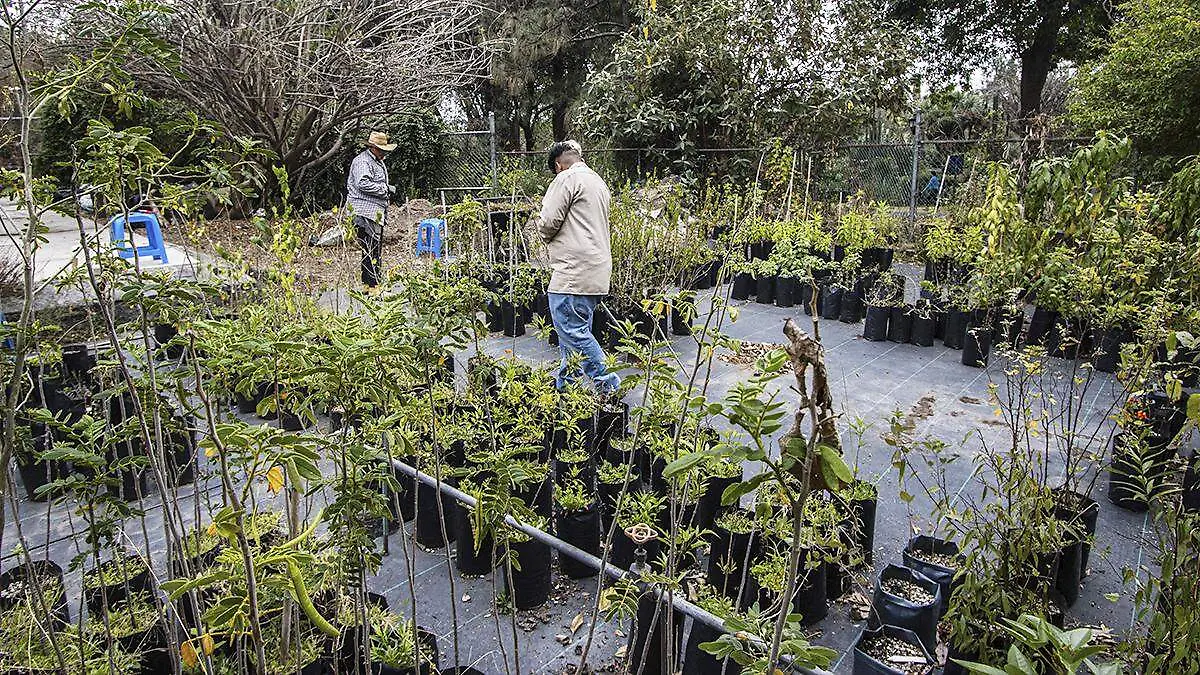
x=61, y=252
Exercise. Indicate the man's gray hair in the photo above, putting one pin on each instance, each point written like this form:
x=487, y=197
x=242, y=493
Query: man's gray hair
x=567, y=147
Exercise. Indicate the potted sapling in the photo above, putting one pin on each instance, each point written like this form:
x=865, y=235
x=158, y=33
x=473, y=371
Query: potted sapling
x=636, y=509
x=736, y=545
x=615, y=480
x=885, y=298
x=890, y=650
x=577, y=523
x=528, y=565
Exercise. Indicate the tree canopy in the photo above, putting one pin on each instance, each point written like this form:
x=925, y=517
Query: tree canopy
x=722, y=73
x=1147, y=84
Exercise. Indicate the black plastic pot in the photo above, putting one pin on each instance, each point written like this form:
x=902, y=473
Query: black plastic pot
x=78, y=360
x=430, y=520
x=163, y=334
x=36, y=473
x=852, y=308
x=96, y=597
x=786, y=291
x=1106, y=347
x=679, y=324
x=761, y=250
x=895, y=610
x=538, y=496
x=765, y=290
x=608, y=494
x=1040, y=326
x=710, y=501
x=1081, y=513
x=612, y=421
x=1135, y=471
x=696, y=661
x=944, y=576
x=1191, y=488
x=582, y=530
x=1068, y=339
x=511, y=319
x=531, y=583
x=924, y=330
x=862, y=533
x=1184, y=365
x=472, y=558
x=811, y=601
x=48, y=574
x=806, y=297
x=865, y=664
x=977, y=342
x=647, y=651
x=737, y=552
x=831, y=301
x=743, y=286
x=956, y=328
x=875, y=326
x=900, y=324
x=584, y=471
x=495, y=318
x=1069, y=573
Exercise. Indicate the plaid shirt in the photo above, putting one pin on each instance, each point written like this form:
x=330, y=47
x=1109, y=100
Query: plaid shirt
x=367, y=187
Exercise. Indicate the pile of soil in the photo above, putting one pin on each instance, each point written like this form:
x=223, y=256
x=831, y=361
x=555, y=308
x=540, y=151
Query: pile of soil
x=248, y=243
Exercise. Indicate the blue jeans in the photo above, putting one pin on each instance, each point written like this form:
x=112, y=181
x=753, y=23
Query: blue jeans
x=572, y=315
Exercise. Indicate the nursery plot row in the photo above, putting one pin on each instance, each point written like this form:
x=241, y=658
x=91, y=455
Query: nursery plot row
x=867, y=382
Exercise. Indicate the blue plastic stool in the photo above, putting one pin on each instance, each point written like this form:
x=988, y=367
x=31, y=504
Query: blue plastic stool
x=429, y=236
x=156, y=248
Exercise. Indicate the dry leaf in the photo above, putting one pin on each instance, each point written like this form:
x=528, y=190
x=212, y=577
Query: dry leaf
x=466, y=597
x=576, y=623
x=562, y=638
x=207, y=644
x=187, y=655
x=619, y=633
x=620, y=652
x=275, y=479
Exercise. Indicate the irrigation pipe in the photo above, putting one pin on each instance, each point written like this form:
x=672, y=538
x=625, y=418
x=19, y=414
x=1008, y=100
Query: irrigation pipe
x=678, y=604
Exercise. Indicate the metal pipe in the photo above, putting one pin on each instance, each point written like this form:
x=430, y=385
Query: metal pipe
x=680, y=604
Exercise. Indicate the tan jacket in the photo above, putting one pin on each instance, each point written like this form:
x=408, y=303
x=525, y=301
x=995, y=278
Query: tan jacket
x=574, y=225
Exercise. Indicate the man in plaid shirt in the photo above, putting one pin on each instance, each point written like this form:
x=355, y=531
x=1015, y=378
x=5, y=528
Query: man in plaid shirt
x=367, y=193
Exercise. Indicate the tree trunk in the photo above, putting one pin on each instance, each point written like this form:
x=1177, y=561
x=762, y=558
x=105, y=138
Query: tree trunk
x=1037, y=59
x=559, y=120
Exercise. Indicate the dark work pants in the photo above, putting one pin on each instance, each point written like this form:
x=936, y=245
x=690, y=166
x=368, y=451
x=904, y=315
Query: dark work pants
x=370, y=238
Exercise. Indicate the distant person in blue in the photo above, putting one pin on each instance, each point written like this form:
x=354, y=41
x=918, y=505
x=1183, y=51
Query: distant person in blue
x=367, y=196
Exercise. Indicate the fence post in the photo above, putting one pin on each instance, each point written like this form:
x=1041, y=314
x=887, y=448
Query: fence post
x=492, y=142
x=912, y=186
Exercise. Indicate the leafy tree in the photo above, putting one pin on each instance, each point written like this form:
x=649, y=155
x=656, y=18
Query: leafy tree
x=1039, y=35
x=1147, y=84
x=724, y=73
x=551, y=47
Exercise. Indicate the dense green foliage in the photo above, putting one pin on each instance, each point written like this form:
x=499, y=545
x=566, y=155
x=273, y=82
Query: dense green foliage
x=1147, y=84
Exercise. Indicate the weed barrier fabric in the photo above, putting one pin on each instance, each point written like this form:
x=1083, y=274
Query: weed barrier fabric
x=902, y=612
x=580, y=529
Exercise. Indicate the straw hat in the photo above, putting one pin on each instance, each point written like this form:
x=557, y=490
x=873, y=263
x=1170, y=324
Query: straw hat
x=380, y=140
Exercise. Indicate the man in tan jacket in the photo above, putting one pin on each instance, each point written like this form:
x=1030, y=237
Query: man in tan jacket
x=574, y=225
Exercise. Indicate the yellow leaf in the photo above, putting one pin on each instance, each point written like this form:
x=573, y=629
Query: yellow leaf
x=576, y=623
x=206, y=643
x=187, y=654
x=210, y=452
x=275, y=479
x=212, y=530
